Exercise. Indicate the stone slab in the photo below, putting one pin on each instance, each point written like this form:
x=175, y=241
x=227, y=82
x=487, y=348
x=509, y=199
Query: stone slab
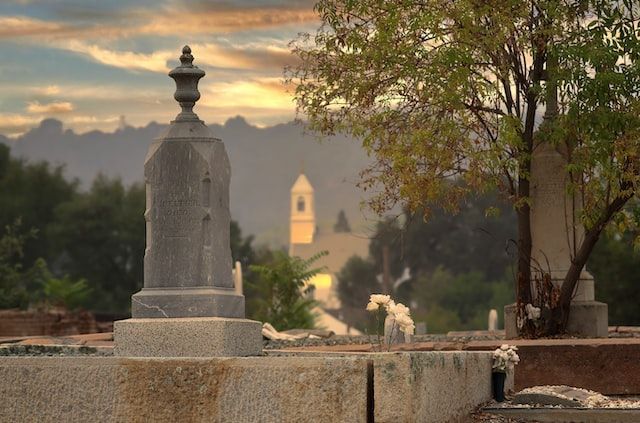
x=187, y=337
x=588, y=319
x=234, y=390
x=558, y=415
x=568, y=397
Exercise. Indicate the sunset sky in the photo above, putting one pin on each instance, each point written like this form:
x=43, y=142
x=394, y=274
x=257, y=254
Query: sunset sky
x=88, y=62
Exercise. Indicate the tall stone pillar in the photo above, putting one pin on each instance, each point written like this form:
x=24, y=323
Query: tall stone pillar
x=188, y=305
x=556, y=234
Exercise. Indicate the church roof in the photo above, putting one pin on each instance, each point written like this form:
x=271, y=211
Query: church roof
x=341, y=247
x=302, y=185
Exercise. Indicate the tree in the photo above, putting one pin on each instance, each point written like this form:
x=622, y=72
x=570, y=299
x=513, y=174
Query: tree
x=616, y=265
x=31, y=192
x=357, y=280
x=283, y=287
x=100, y=236
x=453, y=90
x=342, y=224
x=17, y=284
x=22, y=288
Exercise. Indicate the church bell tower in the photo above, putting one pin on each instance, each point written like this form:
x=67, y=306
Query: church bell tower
x=303, y=219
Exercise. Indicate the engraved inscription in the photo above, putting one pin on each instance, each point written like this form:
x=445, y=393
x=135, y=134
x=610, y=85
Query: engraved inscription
x=178, y=214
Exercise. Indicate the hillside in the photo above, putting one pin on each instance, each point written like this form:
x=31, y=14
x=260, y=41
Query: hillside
x=265, y=162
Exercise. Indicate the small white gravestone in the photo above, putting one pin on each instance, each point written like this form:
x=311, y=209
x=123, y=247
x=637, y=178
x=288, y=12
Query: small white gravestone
x=493, y=320
x=237, y=277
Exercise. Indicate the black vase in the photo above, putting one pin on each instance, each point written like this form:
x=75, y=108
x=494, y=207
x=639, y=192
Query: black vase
x=497, y=385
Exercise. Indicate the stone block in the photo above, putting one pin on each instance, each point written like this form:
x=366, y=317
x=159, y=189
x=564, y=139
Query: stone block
x=187, y=337
x=433, y=386
x=586, y=318
x=234, y=390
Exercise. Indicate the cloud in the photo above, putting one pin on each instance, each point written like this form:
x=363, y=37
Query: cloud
x=49, y=90
x=253, y=56
x=35, y=107
x=260, y=93
x=21, y=26
x=12, y=124
x=155, y=62
x=172, y=20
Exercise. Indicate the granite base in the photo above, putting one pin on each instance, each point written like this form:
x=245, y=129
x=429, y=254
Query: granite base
x=187, y=337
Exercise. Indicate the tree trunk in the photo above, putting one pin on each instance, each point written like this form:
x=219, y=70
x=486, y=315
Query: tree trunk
x=560, y=316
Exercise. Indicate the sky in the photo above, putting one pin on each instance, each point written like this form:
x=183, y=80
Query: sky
x=90, y=62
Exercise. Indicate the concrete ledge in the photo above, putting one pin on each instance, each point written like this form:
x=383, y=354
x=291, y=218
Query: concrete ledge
x=430, y=386
x=423, y=386
x=187, y=337
x=253, y=389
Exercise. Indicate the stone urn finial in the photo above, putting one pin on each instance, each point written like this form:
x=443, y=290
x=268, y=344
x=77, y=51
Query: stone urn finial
x=186, y=76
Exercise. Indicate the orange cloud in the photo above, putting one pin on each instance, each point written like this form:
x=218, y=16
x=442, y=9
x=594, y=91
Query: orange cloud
x=171, y=20
x=49, y=108
x=260, y=93
x=155, y=62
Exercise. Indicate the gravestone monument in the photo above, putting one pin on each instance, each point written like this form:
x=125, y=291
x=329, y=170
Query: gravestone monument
x=556, y=234
x=188, y=305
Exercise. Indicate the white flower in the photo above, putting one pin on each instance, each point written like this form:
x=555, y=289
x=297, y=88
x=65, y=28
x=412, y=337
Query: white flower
x=380, y=299
x=533, y=313
x=505, y=358
x=398, y=309
x=372, y=306
x=405, y=323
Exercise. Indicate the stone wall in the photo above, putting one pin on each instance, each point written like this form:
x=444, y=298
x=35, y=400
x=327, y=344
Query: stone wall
x=382, y=387
x=50, y=323
x=256, y=389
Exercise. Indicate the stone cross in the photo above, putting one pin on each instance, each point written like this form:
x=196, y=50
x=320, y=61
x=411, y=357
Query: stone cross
x=188, y=279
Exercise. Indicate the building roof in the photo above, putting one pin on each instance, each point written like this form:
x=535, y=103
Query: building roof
x=341, y=246
x=302, y=185
x=326, y=321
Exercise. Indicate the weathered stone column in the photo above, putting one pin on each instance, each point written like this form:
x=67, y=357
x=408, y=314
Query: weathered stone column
x=556, y=234
x=188, y=305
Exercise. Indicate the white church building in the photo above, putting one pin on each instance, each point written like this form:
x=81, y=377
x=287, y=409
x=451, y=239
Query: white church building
x=305, y=240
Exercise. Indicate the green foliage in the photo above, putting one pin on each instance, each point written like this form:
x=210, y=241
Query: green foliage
x=65, y=292
x=615, y=264
x=356, y=281
x=465, y=298
x=283, y=300
x=35, y=286
x=31, y=192
x=99, y=236
x=460, y=265
x=440, y=91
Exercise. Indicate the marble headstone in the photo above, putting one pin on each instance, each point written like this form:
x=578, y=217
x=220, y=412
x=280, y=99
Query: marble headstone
x=188, y=304
x=556, y=234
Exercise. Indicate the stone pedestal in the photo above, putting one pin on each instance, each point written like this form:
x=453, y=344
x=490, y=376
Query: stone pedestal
x=188, y=337
x=188, y=306
x=586, y=318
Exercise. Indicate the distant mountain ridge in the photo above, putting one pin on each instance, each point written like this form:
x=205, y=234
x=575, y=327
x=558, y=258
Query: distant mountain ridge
x=264, y=164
